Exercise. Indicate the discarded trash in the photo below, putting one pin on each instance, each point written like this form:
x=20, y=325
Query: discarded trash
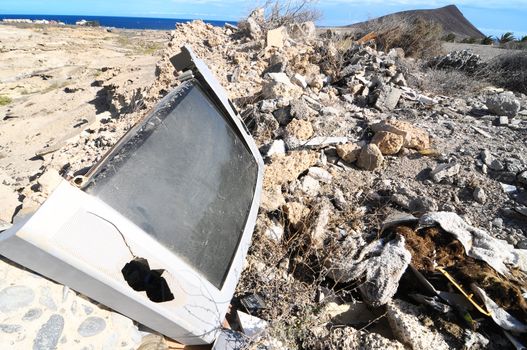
x=500, y=316
x=478, y=243
x=170, y=257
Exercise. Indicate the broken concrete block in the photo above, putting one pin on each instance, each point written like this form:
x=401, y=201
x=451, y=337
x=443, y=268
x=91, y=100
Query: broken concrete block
x=408, y=329
x=445, y=170
x=279, y=86
x=349, y=152
x=310, y=186
x=370, y=157
x=299, y=129
x=277, y=147
x=413, y=137
x=388, y=142
x=276, y=37
x=284, y=169
x=320, y=174
x=388, y=97
x=299, y=80
x=8, y=203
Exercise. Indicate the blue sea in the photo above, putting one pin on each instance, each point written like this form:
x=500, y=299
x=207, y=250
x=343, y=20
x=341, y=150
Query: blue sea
x=117, y=22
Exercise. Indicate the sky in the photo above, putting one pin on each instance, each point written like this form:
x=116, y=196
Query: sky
x=492, y=17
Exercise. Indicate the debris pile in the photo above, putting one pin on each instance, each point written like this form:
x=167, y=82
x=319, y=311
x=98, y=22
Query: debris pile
x=464, y=60
x=347, y=143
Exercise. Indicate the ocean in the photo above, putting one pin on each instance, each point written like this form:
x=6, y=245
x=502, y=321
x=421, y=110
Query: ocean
x=117, y=22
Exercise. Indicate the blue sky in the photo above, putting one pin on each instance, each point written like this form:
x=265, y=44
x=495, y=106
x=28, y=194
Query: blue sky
x=490, y=16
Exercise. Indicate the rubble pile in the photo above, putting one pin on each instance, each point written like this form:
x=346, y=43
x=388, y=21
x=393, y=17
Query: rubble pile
x=347, y=143
x=464, y=60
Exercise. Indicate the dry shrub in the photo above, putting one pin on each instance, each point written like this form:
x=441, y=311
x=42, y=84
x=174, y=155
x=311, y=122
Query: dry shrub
x=418, y=37
x=450, y=83
x=283, y=12
x=508, y=71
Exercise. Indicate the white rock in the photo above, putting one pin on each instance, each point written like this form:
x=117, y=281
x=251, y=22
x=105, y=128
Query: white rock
x=277, y=147
x=310, y=186
x=320, y=174
x=299, y=80
x=445, y=170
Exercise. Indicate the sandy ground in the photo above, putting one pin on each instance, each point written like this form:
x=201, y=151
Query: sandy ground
x=50, y=85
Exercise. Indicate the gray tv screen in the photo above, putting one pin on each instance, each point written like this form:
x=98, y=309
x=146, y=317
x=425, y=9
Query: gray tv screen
x=186, y=177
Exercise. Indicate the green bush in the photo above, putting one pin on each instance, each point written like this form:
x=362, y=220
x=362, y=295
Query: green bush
x=469, y=40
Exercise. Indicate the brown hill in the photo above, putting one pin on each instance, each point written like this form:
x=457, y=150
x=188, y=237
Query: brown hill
x=450, y=17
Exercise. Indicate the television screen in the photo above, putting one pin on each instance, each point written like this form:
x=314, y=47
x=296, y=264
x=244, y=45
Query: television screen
x=187, y=178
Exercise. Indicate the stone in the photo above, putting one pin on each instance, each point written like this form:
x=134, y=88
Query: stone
x=277, y=147
x=15, y=297
x=49, y=334
x=503, y=120
x=388, y=142
x=47, y=300
x=276, y=37
x=404, y=319
x=299, y=80
x=299, y=129
x=300, y=109
x=370, y=157
x=8, y=203
x=422, y=205
x=279, y=85
x=272, y=199
x=504, y=104
x=284, y=169
x=310, y=186
x=268, y=106
x=387, y=97
x=319, y=223
x=282, y=116
x=32, y=314
x=91, y=326
x=413, y=137
x=296, y=213
x=349, y=152
x=302, y=31
x=252, y=28
x=445, y=170
x=479, y=195
x=320, y=174
x=10, y=328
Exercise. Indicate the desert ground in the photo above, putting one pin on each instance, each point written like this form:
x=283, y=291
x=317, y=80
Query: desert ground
x=350, y=137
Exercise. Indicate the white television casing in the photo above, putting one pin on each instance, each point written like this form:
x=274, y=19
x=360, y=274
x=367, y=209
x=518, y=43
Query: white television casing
x=78, y=240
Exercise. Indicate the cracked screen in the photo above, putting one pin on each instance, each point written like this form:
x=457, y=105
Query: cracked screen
x=187, y=178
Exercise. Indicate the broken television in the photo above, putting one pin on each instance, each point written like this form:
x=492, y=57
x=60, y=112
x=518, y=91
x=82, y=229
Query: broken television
x=158, y=229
